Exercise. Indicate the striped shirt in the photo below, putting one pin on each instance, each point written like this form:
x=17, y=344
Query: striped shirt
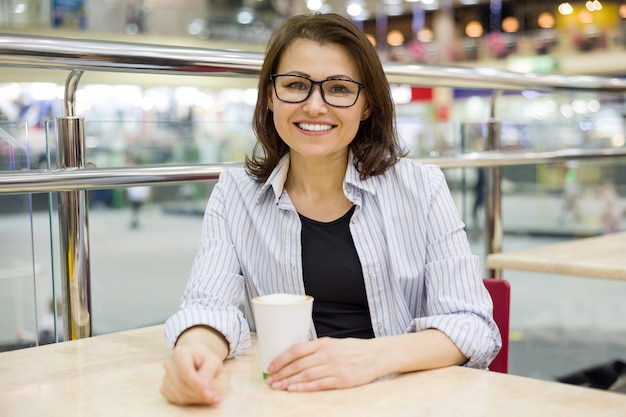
x=417, y=264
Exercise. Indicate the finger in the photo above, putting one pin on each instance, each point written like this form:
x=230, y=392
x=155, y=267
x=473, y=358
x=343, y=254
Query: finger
x=209, y=368
x=315, y=385
x=313, y=378
x=294, y=353
x=176, y=387
x=179, y=393
x=304, y=369
x=189, y=375
x=186, y=397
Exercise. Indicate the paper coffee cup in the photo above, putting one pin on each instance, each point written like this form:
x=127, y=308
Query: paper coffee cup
x=281, y=320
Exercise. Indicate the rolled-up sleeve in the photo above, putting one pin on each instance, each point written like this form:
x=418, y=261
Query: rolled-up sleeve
x=463, y=314
x=213, y=293
x=457, y=302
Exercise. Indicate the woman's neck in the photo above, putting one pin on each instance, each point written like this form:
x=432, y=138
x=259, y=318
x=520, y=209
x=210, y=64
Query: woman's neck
x=316, y=175
x=315, y=188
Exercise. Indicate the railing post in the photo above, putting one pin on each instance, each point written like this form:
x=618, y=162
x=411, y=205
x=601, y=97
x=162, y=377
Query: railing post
x=493, y=197
x=73, y=224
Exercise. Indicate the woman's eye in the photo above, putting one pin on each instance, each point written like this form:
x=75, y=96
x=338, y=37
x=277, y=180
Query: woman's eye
x=338, y=89
x=297, y=86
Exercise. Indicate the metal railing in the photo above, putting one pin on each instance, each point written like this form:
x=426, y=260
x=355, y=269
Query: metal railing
x=73, y=178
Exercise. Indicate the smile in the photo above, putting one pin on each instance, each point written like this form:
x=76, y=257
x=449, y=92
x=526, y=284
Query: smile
x=314, y=127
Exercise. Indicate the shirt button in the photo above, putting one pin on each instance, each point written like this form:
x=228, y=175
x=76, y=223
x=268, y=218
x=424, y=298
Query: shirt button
x=370, y=273
x=354, y=221
x=379, y=326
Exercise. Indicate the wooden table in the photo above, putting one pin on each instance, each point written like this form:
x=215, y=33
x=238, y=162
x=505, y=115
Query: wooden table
x=595, y=257
x=119, y=375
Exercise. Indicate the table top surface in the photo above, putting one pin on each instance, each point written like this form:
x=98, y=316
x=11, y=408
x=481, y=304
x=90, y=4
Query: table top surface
x=120, y=374
x=595, y=257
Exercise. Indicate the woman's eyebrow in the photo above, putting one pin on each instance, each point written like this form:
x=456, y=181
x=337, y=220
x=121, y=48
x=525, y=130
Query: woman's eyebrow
x=341, y=76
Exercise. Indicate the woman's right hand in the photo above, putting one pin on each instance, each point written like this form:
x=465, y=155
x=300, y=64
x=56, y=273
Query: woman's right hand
x=189, y=374
x=193, y=365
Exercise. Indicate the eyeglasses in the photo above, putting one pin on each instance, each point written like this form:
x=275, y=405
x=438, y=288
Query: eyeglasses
x=337, y=92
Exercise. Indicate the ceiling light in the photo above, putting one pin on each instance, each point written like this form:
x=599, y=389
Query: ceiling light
x=354, y=9
x=474, y=29
x=585, y=17
x=565, y=9
x=593, y=6
x=430, y=4
x=510, y=24
x=394, y=10
x=395, y=38
x=545, y=20
x=245, y=16
x=425, y=35
x=314, y=5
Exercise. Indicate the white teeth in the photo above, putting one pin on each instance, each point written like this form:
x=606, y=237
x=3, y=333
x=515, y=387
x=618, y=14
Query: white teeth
x=315, y=128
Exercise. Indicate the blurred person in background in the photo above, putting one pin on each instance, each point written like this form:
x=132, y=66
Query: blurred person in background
x=137, y=196
x=479, y=197
x=571, y=193
x=46, y=326
x=612, y=212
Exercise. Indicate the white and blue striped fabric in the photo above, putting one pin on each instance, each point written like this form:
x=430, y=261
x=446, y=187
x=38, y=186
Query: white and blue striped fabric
x=417, y=264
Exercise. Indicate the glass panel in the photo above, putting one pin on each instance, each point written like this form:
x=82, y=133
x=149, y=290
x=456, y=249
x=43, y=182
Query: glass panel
x=18, y=327
x=559, y=324
x=141, y=255
x=143, y=239
x=50, y=287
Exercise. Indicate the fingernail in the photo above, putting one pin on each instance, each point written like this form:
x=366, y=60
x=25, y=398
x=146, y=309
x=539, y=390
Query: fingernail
x=213, y=397
x=269, y=380
x=277, y=385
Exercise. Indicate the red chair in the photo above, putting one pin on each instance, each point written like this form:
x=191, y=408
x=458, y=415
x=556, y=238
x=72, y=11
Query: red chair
x=500, y=291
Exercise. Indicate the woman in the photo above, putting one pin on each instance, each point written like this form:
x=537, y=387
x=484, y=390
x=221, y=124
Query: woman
x=326, y=206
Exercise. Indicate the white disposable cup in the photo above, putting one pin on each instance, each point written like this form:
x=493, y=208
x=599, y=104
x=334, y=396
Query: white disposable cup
x=281, y=320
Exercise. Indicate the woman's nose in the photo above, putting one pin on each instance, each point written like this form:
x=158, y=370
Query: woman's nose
x=316, y=103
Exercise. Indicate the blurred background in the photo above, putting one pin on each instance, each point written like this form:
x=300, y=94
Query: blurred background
x=143, y=240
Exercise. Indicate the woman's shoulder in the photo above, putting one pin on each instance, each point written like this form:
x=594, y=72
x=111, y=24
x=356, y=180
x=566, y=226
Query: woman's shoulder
x=237, y=178
x=410, y=178
x=238, y=175
x=412, y=168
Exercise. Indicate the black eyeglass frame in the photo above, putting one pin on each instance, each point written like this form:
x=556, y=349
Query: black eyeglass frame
x=360, y=86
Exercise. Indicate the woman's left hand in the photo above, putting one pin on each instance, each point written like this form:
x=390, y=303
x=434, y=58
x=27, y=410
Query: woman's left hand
x=327, y=363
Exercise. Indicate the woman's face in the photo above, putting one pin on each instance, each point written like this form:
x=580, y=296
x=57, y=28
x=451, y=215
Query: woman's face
x=313, y=128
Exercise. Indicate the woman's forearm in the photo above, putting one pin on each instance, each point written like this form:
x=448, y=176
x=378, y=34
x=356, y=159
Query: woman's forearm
x=427, y=349
x=206, y=336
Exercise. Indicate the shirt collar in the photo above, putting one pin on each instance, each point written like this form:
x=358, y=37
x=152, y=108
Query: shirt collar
x=353, y=178
x=277, y=178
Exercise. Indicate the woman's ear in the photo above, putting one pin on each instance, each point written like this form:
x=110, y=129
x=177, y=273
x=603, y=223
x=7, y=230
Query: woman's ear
x=269, y=93
x=366, y=113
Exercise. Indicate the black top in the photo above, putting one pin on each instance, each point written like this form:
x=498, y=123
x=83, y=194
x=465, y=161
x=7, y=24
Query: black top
x=334, y=278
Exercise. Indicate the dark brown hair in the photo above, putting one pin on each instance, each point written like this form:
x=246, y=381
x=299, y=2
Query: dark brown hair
x=375, y=146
